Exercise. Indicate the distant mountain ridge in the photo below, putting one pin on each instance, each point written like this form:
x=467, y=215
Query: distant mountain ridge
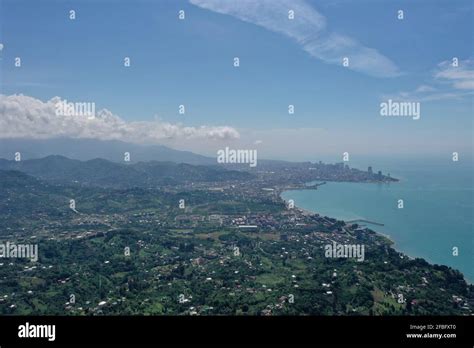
x=104, y=173
x=87, y=149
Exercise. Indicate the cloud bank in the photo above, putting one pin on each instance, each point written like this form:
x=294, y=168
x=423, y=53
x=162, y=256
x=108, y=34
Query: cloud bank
x=26, y=117
x=308, y=29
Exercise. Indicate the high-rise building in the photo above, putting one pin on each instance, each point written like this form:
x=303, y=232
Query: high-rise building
x=370, y=170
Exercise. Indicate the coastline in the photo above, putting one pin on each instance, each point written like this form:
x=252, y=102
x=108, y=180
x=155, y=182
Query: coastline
x=309, y=212
x=390, y=239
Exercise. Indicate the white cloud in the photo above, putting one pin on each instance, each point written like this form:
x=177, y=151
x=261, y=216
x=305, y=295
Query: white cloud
x=460, y=77
x=308, y=28
x=24, y=116
x=425, y=88
x=447, y=83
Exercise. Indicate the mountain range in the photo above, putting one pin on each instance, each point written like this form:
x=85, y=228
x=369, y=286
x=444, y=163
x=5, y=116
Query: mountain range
x=104, y=173
x=87, y=149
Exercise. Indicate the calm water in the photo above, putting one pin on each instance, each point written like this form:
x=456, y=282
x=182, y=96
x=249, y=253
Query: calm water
x=437, y=215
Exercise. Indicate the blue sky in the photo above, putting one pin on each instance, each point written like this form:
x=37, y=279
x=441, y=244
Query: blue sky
x=190, y=62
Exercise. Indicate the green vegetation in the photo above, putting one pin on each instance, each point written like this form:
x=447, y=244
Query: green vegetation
x=196, y=260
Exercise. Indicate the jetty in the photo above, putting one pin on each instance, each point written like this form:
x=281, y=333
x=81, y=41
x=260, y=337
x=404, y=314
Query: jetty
x=315, y=186
x=364, y=221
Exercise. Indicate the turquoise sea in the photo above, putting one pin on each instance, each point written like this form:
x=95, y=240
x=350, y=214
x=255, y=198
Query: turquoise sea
x=438, y=197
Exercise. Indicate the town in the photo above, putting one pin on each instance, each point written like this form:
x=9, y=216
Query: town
x=206, y=247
